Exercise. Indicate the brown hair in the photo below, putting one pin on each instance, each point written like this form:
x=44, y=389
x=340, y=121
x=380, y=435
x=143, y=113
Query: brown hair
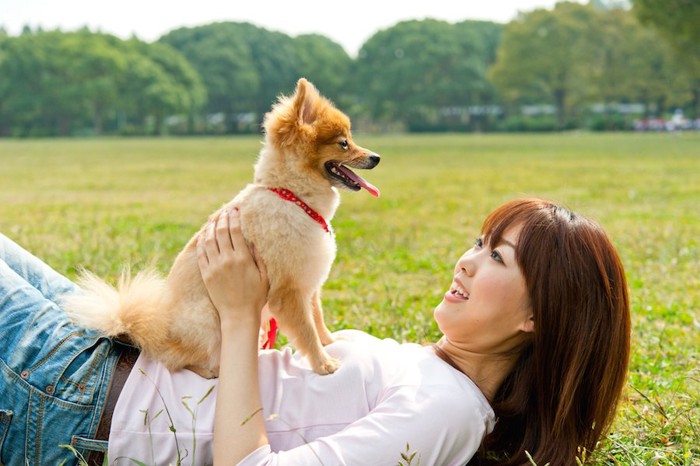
x=564, y=389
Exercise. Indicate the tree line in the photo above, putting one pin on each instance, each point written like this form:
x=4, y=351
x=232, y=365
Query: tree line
x=569, y=67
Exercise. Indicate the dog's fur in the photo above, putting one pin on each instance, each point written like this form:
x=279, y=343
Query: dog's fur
x=173, y=319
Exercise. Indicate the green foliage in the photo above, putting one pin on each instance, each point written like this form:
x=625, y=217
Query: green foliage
x=246, y=67
x=323, y=62
x=170, y=87
x=633, y=65
x=57, y=83
x=546, y=56
x=412, y=70
x=101, y=203
x=226, y=65
x=575, y=55
x=676, y=19
x=420, y=75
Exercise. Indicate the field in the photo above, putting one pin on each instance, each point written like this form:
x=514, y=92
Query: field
x=99, y=203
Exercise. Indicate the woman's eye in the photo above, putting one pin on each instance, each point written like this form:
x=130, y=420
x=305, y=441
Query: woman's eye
x=479, y=243
x=496, y=256
x=343, y=144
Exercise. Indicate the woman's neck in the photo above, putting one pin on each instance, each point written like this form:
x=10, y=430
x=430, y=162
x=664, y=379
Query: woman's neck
x=487, y=371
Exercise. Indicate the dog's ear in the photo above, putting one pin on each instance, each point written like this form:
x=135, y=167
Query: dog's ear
x=293, y=116
x=305, y=98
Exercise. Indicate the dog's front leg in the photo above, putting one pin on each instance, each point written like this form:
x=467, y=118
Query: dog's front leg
x=323, y=333
x=294, y=313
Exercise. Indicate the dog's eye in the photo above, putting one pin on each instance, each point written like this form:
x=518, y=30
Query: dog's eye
x=343, y=144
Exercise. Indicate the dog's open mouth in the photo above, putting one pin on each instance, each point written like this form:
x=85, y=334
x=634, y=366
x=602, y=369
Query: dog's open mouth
x=349, y=179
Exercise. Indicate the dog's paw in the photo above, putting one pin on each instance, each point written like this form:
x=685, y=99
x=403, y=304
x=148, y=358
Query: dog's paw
x=327, y=366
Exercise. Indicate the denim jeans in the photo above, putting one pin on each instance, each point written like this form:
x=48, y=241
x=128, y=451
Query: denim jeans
x=53, y=375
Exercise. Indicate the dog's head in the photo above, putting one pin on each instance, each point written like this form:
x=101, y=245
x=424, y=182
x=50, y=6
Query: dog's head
x=313, y=138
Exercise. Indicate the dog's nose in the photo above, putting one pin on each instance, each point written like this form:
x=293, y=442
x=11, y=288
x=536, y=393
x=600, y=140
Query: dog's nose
x=374, y=160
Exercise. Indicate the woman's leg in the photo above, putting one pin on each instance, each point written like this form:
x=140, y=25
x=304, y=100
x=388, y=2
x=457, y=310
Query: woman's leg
x=50, y=283
x=52, y=374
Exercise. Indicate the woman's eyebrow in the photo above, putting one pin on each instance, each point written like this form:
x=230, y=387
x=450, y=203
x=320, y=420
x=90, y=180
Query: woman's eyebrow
x=507, y=243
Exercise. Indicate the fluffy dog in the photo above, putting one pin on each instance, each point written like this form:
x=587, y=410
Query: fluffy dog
x=284, y=212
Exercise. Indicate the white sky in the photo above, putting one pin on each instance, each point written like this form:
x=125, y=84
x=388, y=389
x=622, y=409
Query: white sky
x=350, y=23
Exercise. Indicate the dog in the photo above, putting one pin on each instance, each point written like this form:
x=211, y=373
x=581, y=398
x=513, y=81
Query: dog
x=308, y=153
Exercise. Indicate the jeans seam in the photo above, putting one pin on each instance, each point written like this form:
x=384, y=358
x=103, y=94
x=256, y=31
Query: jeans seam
x=97, y=362
x=93, y=364
x=100, y=358
x=55, y=349
x=38, y=406
x=32, y=390
x=26, y=432
x=40, y=428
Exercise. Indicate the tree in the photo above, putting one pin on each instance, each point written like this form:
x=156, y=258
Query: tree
x=43, y=94
x=416, y=70
x=546, y=57
x=96, y=66
x=244, y=67
x=57, y=83
x=162, y=82
x=275, y=59
x=635, y=65
x=220, y=54
x=678, y=21
x=323, y=62
x=484, y=38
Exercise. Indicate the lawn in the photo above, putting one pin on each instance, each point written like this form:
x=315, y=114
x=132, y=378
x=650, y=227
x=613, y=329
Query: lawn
x=99, y=203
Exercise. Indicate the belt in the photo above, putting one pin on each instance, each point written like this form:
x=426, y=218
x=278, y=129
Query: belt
x=127, y=358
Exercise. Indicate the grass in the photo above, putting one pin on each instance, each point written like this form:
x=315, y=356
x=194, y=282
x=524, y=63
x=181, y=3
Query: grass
x=99, y=203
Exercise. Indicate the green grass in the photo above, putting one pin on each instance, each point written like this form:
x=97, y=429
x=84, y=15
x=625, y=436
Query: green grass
x=100, y=203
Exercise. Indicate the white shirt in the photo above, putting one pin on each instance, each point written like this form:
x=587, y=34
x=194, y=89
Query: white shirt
x=386, y=399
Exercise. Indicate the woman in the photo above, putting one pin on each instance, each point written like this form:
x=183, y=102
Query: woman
x=535, y=334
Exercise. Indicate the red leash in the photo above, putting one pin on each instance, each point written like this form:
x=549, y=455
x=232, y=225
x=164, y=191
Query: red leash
x=271, y=335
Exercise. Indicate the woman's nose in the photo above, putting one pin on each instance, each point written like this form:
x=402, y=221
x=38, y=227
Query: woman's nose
x=466, y=265
x=469, y=268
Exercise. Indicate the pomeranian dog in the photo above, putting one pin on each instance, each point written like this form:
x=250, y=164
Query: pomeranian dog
x=285, y=213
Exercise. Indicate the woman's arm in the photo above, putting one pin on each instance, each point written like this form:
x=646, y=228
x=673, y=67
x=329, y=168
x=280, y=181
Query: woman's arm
x=237, y=283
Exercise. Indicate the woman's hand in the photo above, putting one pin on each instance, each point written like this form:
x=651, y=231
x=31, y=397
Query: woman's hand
x=234, y=276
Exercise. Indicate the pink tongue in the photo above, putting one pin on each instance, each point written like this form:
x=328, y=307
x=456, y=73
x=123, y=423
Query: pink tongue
x=359, y=180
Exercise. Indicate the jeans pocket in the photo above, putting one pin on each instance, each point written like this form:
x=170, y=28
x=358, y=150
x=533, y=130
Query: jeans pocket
x=5, y=418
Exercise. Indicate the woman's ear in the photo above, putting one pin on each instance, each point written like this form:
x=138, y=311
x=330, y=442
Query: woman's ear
x=528, y=326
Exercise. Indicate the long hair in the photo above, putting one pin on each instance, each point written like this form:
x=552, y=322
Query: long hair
x=563, y=392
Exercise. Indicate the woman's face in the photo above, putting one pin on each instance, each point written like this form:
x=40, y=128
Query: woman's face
x=487, y=310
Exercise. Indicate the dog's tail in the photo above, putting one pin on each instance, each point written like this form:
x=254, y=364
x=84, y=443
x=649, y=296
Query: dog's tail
x=133, y=309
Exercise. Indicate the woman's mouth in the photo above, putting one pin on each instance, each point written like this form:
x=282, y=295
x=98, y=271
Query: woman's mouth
x=458, y=292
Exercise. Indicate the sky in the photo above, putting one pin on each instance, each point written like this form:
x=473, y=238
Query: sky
x=348, y=23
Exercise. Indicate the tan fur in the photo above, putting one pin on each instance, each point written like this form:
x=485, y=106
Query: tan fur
x=173, y=320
